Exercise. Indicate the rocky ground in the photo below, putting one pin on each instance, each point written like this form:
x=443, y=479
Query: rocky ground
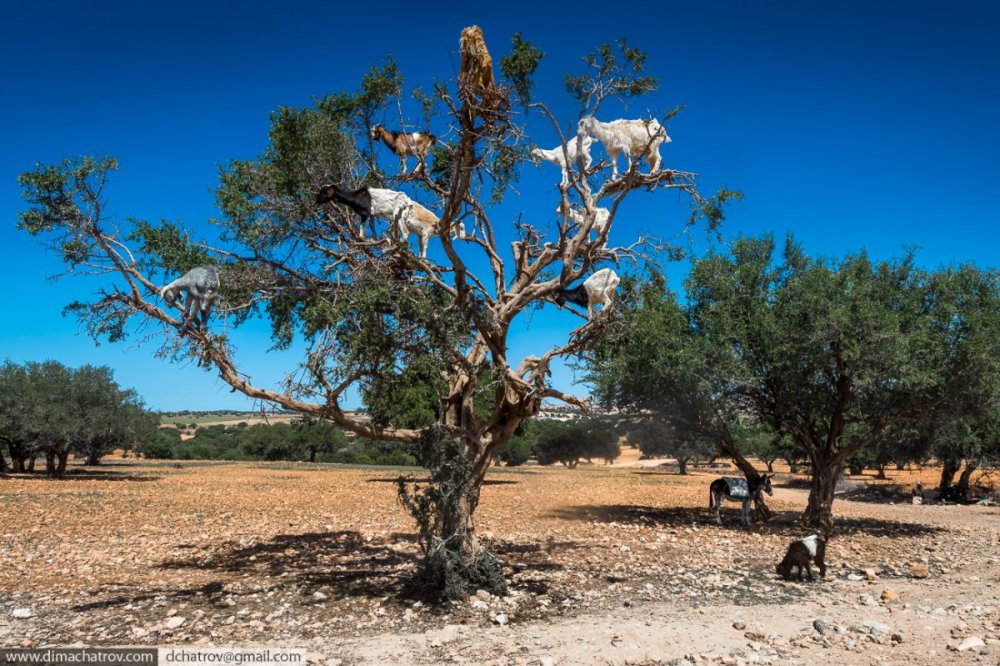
x=605, y=565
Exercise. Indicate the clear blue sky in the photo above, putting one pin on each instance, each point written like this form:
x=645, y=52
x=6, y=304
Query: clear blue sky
x=852, y=124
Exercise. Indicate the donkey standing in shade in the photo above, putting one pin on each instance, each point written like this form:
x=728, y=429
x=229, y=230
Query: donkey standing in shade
x=737, y=489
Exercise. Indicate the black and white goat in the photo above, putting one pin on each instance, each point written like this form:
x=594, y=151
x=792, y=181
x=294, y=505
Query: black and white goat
x=404, y=214
x=200, y=286
x=800, y=554
x=737, y=489
x=635, y=138
x=595, y=290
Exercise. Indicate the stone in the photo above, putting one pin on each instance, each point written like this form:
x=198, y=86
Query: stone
x=822, y=626
x=875, y=628
x=740, y=626
x=501, y=618
x=547, y=661
x=21, y=613
x=870, y=574
x=319, y=596
x=175, y=622
x=971, y=643
x=855, y=577
x=867, y=600
x=479, y=605
x=920, y=571
x=889, y=595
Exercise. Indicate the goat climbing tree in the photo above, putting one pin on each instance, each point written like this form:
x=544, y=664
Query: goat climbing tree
x=374, y=316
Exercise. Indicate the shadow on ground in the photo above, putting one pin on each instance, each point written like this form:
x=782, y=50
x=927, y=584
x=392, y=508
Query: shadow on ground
x=784, y=523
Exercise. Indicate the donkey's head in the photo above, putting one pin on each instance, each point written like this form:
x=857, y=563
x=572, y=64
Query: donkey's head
x=763, y=485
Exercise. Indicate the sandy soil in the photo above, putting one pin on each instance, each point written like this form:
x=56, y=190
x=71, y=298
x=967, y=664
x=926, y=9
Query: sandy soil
x=613, y=564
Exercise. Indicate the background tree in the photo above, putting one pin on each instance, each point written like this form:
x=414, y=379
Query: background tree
x=655, y=363
x=657, y=438
x=834, y=353
x=373, y=315
x=567, y=442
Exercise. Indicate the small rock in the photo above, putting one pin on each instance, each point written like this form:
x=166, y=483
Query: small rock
x=21, y=613
x=500, y=618
x=889, y=595
x=870, y=574
x=875, y=628
x=867, y=600
x=483, y=594
x=822, y=626
x=971, y=643
x=920, y=571
x=139, y=632
x=479, y=605
x=547, y=661
x=319, y=596
x=740, y=626
x=175, y=622
x=855, y=577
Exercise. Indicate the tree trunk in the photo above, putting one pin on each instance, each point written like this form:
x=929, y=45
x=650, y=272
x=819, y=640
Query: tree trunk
x=31, y=464
x=50, y=463
x=770, y=466
x=962, y=489
x=881, y=473
x=61, y=463
x=819, y=511
x=682, y=465
x=3, y=465
x=312, y=454
x=764, y=514
x=948, y=472
x=93, y=458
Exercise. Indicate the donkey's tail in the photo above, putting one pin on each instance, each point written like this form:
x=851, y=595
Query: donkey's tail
x=710, y=495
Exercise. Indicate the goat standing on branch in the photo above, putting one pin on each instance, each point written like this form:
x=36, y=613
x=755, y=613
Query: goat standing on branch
x=601, y=218
x=576, y=149
x=403, y=144
x=595, y=290
x=635, y=138
x=201, y=285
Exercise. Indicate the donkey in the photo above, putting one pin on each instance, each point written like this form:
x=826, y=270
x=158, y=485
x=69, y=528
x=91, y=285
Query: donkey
x=737, y=489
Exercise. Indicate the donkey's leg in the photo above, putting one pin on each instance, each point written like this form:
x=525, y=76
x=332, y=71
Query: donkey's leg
x=718, y=508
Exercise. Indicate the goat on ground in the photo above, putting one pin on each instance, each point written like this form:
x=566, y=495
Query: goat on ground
x=200, y=286
x=635, y=138
x=601, y=218
x=737, y=489
x=595, y=290
x=800, y=554
x=404, y=144
x=578, y=146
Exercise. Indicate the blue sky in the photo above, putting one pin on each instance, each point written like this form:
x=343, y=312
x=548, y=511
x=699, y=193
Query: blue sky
x=851, y=124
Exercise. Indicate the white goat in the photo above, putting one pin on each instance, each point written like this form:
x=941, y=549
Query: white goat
x=201, y=285
x=556, y=155
x=595, y=290
x=601, y=218
x=629, y=136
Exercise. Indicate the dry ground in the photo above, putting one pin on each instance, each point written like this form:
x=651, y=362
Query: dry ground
x=606, y=565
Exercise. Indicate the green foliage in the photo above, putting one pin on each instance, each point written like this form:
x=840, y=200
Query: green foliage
x=162, y=445
x=519, y=65
x=833, y=353
x=53, y=410
x=567, y=442
x=613, y=73
x=656, y=437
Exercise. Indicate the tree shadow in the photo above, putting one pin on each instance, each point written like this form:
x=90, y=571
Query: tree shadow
x=212, y=593
x=486, y=482
x=89, y=474
x=345, y=561
x=784, y=523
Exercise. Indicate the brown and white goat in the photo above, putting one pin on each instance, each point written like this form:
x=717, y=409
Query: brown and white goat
x=405, y=144
x=415, y=219
x=800, y=554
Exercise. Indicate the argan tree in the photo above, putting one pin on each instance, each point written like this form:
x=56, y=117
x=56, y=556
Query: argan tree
x=837, y=354
x=374, y=317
